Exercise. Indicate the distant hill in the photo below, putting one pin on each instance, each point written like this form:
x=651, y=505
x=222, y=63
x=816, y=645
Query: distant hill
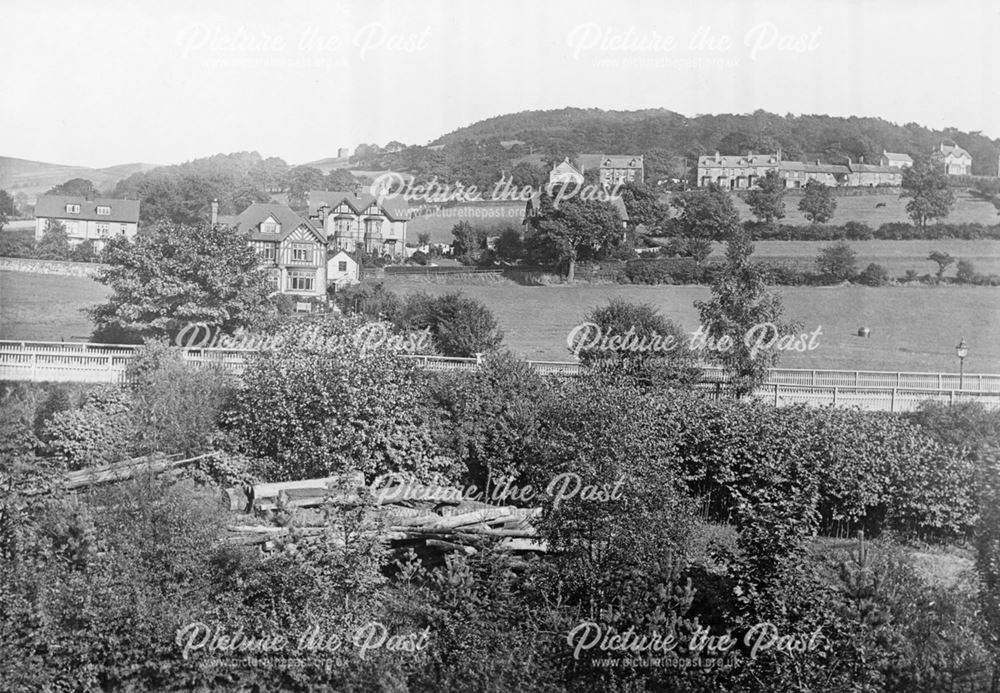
x=831, y=138
x=331, y=163
x=35, y=177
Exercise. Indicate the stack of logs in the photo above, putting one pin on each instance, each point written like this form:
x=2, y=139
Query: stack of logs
x=438, y=519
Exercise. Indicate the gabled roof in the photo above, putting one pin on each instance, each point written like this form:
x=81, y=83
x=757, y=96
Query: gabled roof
x=621, y=161
x=565, y=167
x=256, y=214
x=54, y=207
x=896, y=156
x=953, y=150
x=395, y=207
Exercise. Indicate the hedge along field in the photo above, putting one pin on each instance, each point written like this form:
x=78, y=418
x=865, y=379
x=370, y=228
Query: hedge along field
x=913, y=328
x=439, y=223
x=896, y=256
x=864, y=209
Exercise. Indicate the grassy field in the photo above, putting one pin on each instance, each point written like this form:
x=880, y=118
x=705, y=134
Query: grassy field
x=896, y=256
x=865, y=209
x=484, y=215
x=46, y=306
x=913, y=328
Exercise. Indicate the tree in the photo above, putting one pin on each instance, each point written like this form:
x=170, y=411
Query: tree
x=766, y=201
x=84, y=252
x=423, y=238
x=707, y=213
x=942, y=260
x=643, y=344
x=698, y=248
x=54, y=244
x=740, y=303
x=335, y=398
x=927, y=184
x=76, y=187
x=171, y=276
x=643, y=205
x=7, y=208
x=818, y=203
x=509, y=246
x=301, y=180
x=460, y=326
x=469, y=242
x=965, y=272
x=573, y=225
x=838, y=261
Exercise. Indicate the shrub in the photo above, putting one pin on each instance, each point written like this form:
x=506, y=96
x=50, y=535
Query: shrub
x=100, y=431
x=335, y=398
x=838, y=262
x=873, y=275
x=419, y=258
x=460, y=326
x=965, y=272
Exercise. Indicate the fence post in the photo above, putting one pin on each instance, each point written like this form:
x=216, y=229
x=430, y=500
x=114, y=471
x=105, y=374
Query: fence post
x=897, y=379
x=776, y=394
x=940, y=386
x=855, y=378
x=892, y=402
x=814, y=378
x=835, y=388
x=34, y=366
x=951, y=397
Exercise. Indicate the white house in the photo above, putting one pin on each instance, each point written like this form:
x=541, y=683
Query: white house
x=87, y=220
x=565, y=172
x=342, y=269
x=957, y=161
x=895, y=159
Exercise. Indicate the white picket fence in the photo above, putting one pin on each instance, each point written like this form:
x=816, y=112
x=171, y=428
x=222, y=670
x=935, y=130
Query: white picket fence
x=873, y=390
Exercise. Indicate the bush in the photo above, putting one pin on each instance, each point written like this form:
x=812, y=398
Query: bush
x=335, y=398
x=965, y=272
x=873, y=275
x=419, y=258
x=100, y=431
x=459, y=326
x=838, y=262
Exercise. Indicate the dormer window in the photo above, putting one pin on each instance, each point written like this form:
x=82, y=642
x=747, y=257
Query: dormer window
x=73, y=209
x=269, y=226
x=103, y=210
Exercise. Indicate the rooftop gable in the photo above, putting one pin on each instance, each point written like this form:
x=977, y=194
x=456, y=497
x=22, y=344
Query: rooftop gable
x=54, y=207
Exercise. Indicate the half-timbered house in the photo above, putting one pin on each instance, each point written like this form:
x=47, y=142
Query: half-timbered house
x=361, y=221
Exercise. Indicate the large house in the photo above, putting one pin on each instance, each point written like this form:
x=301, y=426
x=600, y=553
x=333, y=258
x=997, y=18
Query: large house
x=620, y=169
x=956, y=161
x=291, y=249
x=355, y=221
x=743, y=172
x=898, y=160
x=87, y=220
x=735, y=172
x=871, y=175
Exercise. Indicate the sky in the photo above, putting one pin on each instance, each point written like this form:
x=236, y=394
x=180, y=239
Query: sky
x=107, y=82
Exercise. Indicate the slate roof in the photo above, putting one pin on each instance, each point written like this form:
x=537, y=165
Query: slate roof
x=871, y=168
x=395, y=207
x=898, y=157
x=256, y=214
x=954, y=149
x=621, y=161
x=617, y=202
x=738, y=161
x=814, y=168
x=54, y=207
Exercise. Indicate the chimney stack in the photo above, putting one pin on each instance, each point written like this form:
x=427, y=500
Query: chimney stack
x=215, y=212
x=718, y=157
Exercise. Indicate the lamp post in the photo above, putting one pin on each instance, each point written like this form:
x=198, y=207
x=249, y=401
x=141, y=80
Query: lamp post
x=962, y=350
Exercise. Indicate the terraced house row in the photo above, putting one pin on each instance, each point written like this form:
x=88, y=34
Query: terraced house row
x=738, y=172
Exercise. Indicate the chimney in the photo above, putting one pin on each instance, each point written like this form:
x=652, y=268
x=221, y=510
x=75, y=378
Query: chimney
x=861, y=159
x=718, y=157
x=817, y=162
x=215, y=212
x=323, y=210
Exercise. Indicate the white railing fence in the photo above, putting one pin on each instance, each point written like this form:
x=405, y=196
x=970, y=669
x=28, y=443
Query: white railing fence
x=875, y=390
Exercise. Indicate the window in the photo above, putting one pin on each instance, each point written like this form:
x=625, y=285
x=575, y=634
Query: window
x=103, y=210
x=103, y=230
x=123, y=229
x=266, y=252
x=269, y=226
x=73, y=209
x=273, y=277
x=342, y=266
x=300, y=281
x=342, y=227
x=301, y=252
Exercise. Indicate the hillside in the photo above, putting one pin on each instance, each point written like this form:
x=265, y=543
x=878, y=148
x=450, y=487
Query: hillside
x=831, y=138
x=35, y=177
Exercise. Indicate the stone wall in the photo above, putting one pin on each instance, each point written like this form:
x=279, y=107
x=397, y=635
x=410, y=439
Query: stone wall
x=67, y=269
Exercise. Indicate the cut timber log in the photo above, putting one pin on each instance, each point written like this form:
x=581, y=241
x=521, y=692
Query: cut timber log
x=120, y=471
x=302, y=494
